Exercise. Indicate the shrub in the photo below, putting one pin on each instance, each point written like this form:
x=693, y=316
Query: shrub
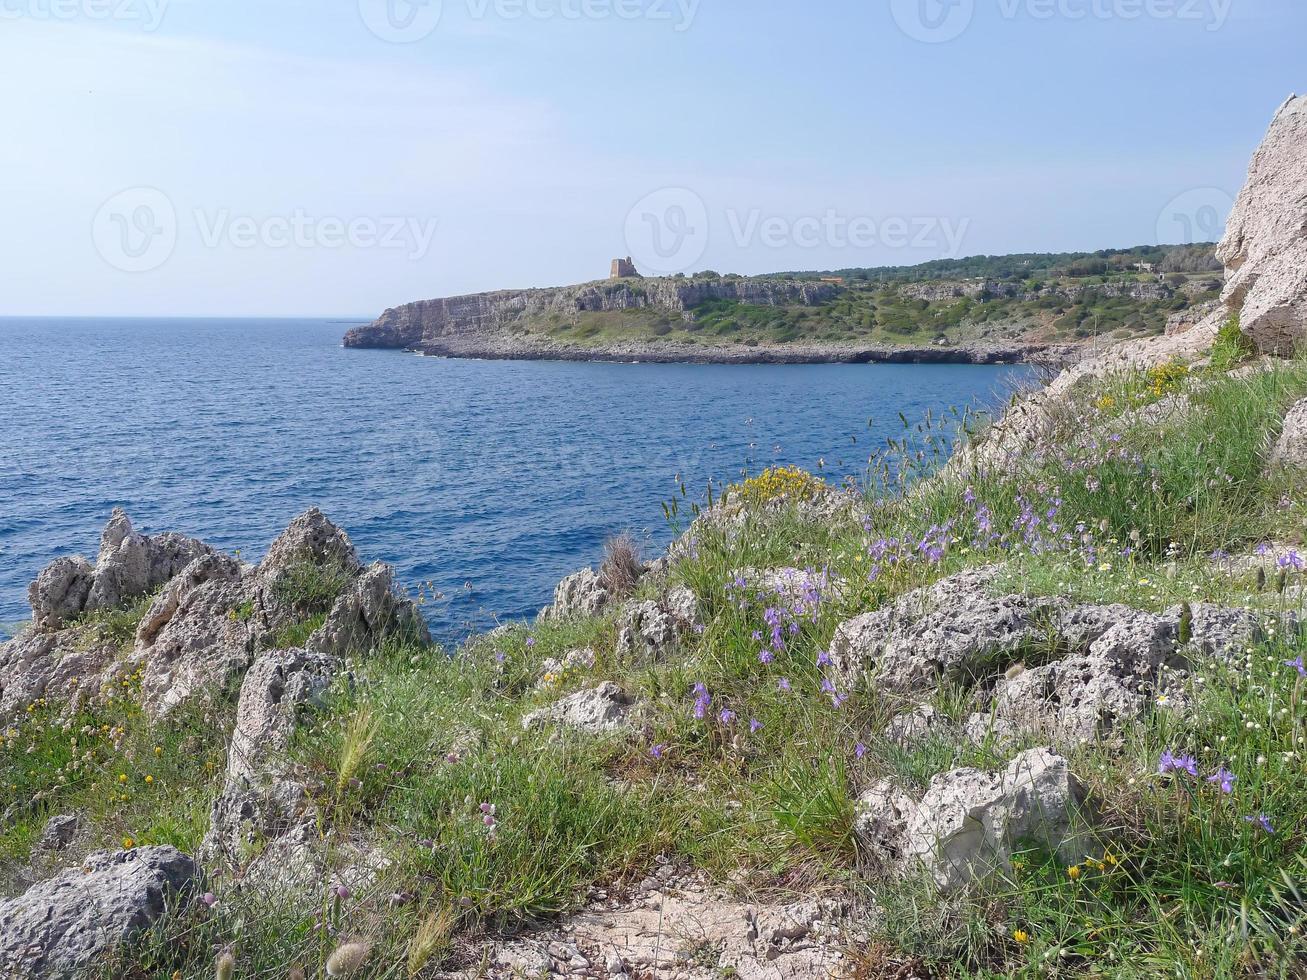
x=776, y=483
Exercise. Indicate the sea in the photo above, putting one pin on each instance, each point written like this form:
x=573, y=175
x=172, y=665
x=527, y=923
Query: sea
x=482, y=482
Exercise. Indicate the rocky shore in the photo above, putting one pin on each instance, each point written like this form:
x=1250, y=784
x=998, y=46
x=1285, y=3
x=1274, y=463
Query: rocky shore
x=547, y=349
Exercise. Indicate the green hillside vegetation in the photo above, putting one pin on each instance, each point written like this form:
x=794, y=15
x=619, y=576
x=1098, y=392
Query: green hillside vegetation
x=1063, y=298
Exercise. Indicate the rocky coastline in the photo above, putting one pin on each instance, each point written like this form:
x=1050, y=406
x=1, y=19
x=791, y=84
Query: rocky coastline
x=1041, y=714
x=546, y=349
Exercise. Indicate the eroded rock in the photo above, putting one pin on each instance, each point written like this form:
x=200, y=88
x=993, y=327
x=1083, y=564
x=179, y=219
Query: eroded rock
x=970, y=823
x=60, y=928
x=1265, y=243
x=605, y=708
x=951, y=632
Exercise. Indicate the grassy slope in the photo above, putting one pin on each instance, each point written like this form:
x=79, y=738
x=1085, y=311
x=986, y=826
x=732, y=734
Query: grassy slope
x=879, y=314
x=1182, y=884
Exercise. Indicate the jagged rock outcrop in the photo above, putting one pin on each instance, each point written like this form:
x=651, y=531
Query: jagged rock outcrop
x=462, y=323
x=62, y=927
x=581, y=594
x=650, y=629
x=1096, y=667
x=1291, y=448
x=211, y=618
x=1265, y=244
x=260, y=800
x=951, y=632
x=129, y=566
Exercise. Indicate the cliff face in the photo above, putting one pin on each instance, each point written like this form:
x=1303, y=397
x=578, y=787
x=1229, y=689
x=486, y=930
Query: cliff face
x=440, y=323
x=1265, y=245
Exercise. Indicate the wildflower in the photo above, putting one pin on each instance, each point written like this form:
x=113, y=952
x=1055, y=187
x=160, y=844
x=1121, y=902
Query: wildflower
x=128, y=843
x=859, y=750
x=1225, y=778
x=1297, y=664
x=783, y=684
x=726, y=716
x=1177, y=763
x=1261, y=820
x=1021, y=936
x=702, y=700
x=341, y=892
x=1073, y=872
x=149, y=780
x=754, y=725
x=766, y=656
x=209, y=899
x=657, y=751
x=347, y=959
x=530, y=641
x=1292, y=561
x=122, y=777
x=823, y=658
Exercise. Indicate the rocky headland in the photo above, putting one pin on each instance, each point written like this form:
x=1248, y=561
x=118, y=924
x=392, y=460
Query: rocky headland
x=1037, y=713
x=1050, y=308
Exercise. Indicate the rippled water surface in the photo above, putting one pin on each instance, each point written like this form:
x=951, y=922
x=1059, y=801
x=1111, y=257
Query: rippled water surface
x=491, y=479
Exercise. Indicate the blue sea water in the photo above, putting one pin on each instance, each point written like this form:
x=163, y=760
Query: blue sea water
x=489, y=479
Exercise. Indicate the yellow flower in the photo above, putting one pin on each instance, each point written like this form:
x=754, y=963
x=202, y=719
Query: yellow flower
x=128, y=843
x=1073, y=872
x=158, y=750
x=122, y=777
x=1021, y=936
x=149, y=780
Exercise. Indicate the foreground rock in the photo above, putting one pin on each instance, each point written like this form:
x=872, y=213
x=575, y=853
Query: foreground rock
x=62, y=927
x=1265, y=243
x=606, y=708
x=970, y=823
x=261, y=802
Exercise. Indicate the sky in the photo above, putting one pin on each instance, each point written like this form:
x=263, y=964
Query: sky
x=338, y=157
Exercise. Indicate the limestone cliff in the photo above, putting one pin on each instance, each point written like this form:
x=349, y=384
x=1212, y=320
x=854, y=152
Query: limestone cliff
x=443, y=325
x=1265, y=245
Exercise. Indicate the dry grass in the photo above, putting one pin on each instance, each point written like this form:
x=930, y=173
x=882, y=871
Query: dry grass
x=622, y=567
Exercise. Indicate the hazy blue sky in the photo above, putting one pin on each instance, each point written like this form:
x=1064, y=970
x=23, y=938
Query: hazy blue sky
x=342, y=156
